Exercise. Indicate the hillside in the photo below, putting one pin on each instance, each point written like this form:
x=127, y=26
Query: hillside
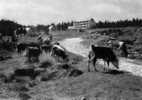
x=69, y=81
x=59, y=84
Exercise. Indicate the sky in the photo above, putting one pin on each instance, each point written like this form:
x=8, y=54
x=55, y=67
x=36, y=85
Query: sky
x=33, y=12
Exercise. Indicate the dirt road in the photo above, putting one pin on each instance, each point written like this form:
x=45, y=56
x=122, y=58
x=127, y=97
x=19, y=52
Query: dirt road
x=74, y=45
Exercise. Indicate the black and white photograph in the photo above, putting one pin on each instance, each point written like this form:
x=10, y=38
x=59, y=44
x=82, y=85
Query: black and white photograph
x=70, y=49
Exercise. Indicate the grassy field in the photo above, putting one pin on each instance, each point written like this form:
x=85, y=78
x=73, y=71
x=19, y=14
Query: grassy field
x=69, y=81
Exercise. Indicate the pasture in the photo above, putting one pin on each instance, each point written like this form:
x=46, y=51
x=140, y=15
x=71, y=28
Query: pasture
x=68, y=81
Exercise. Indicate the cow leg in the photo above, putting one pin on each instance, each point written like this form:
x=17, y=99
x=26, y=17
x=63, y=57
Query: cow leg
x=36, y=59
x=107, y=65
x=51, y=52
x=30, y=59
x=89, y=65
x=59, y=58
x=94, y=63
x=104, y=67
x=46, y=50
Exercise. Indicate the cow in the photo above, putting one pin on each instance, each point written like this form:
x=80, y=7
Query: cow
x=33, y=53
x=21, y=47
x=104, y=53
x=59, y=51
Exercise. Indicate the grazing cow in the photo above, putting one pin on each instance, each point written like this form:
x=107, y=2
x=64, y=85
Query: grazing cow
x=21, y=47
x=33, y=53
x=104, y=53
x=59, y=51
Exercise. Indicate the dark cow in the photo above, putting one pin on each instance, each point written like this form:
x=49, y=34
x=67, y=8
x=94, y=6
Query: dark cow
x=33, y=53
x=21, y=47
x=104, y=53
x=59, y=51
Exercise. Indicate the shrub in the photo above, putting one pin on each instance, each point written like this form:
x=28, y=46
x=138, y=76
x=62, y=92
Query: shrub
x=47, y=61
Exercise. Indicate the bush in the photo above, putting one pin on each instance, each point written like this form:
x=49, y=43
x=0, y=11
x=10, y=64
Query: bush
x=47, y=61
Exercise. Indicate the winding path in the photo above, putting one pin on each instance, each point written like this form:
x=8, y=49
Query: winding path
x=74, y=45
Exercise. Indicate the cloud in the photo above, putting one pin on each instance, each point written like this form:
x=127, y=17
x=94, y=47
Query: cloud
x=47, y=11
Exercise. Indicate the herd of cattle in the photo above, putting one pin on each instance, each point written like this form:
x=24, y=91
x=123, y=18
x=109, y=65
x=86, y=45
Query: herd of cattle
x=33, y=50
x=44, y=43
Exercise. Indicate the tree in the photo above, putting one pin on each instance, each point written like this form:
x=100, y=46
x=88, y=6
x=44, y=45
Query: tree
x=8, y=27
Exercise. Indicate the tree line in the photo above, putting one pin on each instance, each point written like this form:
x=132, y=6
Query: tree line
x=59, y=26
x=63, y=25
x=135, y=22
x=7, y=26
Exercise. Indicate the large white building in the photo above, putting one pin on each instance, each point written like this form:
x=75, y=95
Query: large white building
x=83, y=24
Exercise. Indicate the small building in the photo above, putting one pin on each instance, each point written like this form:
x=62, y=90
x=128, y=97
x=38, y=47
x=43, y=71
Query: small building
x=80, y=25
